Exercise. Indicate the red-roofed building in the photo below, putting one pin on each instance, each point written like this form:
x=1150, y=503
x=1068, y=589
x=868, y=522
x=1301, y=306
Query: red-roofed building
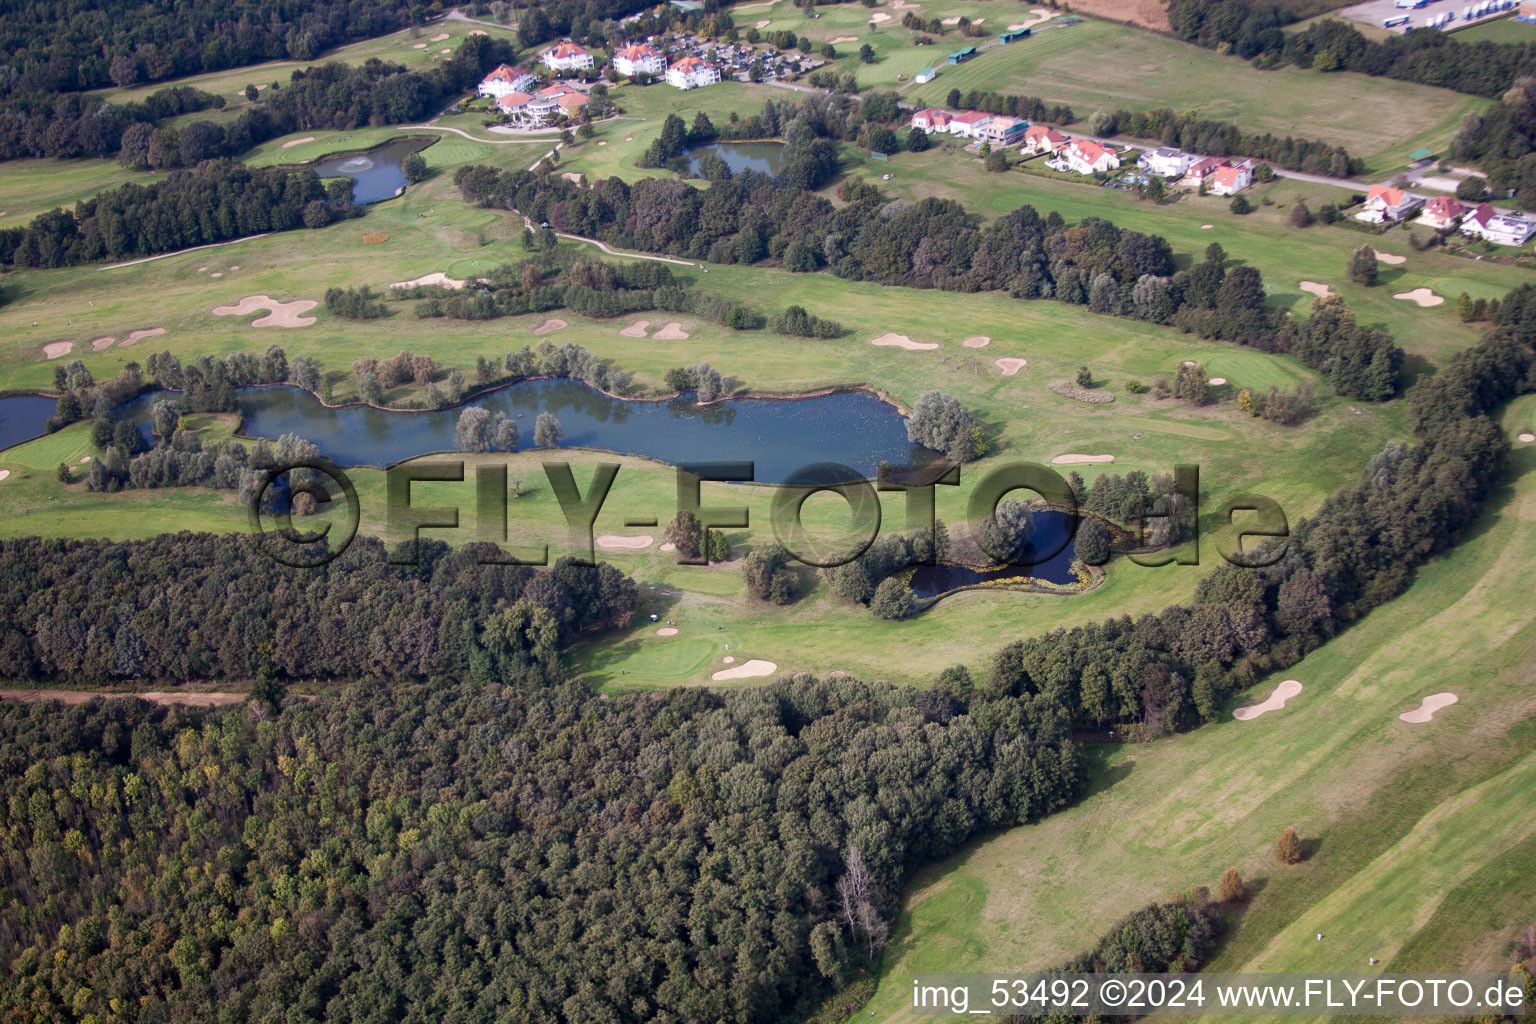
x=1442, y=213
x=1501, y=227
x=567, y=57
x=1088, y=157
x=1039, y=138
x=1201, y=170
x=639, y=59
x=1386, y=203
x=1231, y=179
x=692, y=73
x=968, y=123
x=931, y=120
x=505, y=79
x=514, y=102
x=546, y=103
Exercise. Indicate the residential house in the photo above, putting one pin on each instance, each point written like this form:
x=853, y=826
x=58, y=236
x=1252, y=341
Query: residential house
x=692, y=73
x=1442, y=213
x=567, y=57
x=1388, y=203
x=1088, y=157
x=639, y=59
x=968, y=123
x=505, y=79
x=931, y=120
x=1165, y=162
x=1501, y=227
x=1231, y=179
x=1041, y=139
x=1201, y=170
x=1003, y=131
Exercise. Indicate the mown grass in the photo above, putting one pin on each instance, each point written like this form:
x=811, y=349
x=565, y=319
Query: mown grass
x=1419, y=836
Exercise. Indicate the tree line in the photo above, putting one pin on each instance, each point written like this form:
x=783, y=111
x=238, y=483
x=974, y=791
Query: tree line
x=86, y=125
x=933, y=243
x=1159, y=673
x=1255, y=31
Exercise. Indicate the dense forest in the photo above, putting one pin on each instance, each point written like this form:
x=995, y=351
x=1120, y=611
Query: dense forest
x=323, y=97
x=93, y=44
x=1254, y=30
x=935, y=243
x=217, y=201
x=1502, y=142
x=490, y=851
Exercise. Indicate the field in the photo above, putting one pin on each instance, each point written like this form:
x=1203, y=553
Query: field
x=1136, y=70
x=1420, y=837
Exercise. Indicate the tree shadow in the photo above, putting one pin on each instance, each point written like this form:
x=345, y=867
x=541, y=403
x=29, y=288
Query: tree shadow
x=1414, y=367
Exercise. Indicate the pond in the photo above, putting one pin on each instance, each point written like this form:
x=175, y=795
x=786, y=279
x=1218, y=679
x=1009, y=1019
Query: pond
x=1052, y=527
x=763, y=157
x=780, y=435
x=375, y=173
x=23, y=417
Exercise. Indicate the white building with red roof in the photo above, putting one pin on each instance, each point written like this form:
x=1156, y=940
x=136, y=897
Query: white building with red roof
x=968, y=123
x=931, y=120
x=505, y=79
x=1088, y=157
x=1231, y=179
x=639, y=59
x=1442, y=213
x=692, y=73
x=1388, y=203
x=567, y=57
x=1040, y=138
x=514, y=103
x=545, y=104
x=1501, y=227
x=1201, y=170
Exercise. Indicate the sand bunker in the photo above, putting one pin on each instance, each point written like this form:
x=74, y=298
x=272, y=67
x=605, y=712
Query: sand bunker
x=1388, y=258
x=1426, y=710
x=478, y=32
x=97, y=344
x=299, y=142
x=902, y=341
x=671, y=332
x=4, y=473
x=549, y=326
x=419, y=46
x=615, y=542
x=950, y=21
x=84, y=459
x=1010, y=366
x=1073, y=460
x=747, y=670
x=1277, y=700
x=440, y=37
x=281, y=314
x=1206, y=227
x=55, y=349
x=845, y=39
x=446, y=49
x=203, y=268
x=729, y=659
x=667, y=631
x=1527, y=437
x=1422, y=296
x=977, y=341
x=438, y=278
x=1217, y=381
x=882, y=16
x=636, y=329
x=1322, y=291
x=668, y=546
x=153, y=332
x=764, y=23
x=217, y=273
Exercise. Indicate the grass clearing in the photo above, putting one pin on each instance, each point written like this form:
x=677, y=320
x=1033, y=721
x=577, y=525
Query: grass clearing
x=1408, y=825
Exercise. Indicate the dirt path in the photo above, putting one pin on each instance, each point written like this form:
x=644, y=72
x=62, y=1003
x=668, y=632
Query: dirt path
x=460, y=131
x=178, y=252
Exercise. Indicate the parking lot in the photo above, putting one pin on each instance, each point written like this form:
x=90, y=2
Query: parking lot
x=1374, y=12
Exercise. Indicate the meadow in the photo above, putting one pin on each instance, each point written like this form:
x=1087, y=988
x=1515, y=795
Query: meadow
x=1419, y=838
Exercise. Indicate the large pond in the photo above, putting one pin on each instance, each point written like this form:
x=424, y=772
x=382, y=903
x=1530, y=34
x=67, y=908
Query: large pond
x=1052, y=528
x=375, y=173
x=763, y=157
x=778, y=435
x=24, y=417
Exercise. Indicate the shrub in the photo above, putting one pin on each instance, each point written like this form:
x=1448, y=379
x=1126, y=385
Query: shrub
x=1362, y=265
x=1288, y=847
x=686, y=533
x=1232, y=888
x=892, y=599
x=1240, y=205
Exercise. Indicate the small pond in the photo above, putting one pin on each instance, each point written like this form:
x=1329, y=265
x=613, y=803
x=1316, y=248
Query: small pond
x=23, y=417
x=375, y=173
x=763, y=157
x=1052, y=527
